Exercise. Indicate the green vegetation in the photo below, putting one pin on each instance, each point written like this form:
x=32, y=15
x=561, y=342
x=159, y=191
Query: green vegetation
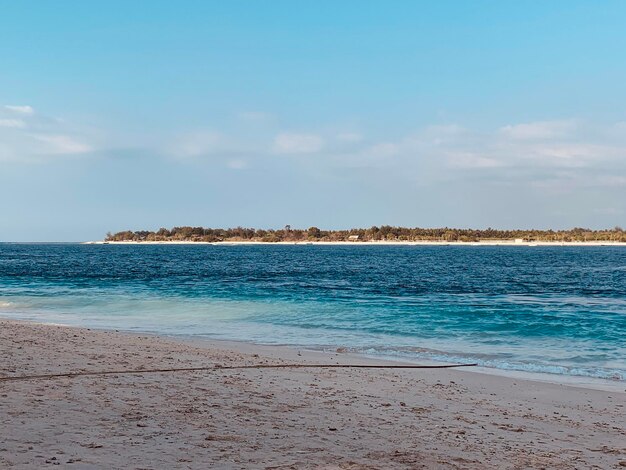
x=383, y=233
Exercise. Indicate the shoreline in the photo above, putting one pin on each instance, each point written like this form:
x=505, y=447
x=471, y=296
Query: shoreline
x=291, y=350
x=281, y=418
x=576, y=381
x=363, y=243
x=327, y=353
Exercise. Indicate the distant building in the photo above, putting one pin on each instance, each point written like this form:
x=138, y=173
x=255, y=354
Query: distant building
x=353, y=238
x=519, y=240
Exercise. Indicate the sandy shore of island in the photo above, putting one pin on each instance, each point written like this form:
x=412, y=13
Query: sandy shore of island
x=367, y=243
x=281, y=418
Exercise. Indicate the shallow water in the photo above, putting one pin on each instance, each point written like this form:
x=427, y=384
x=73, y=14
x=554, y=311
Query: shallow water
x=559, y=310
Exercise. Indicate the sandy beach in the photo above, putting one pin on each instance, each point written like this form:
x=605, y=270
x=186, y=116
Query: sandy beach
x=281, y=418
x=367, y=243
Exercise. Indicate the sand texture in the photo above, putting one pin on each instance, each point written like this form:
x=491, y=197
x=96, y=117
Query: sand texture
x=281, y=418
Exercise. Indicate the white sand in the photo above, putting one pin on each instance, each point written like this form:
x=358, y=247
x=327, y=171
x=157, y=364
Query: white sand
x=369, y=243
x=282, y=418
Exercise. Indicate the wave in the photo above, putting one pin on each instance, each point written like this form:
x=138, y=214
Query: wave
x=491, y=362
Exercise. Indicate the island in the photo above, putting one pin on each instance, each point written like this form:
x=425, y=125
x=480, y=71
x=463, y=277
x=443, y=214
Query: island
x=384, y=233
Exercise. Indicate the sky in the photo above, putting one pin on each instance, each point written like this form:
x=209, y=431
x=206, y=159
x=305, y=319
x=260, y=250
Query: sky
x=138, y=115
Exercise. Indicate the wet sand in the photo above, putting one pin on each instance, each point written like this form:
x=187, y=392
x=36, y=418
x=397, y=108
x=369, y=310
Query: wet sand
x=282, y=418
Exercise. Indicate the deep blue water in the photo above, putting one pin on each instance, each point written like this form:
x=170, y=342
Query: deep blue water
x=547, y=309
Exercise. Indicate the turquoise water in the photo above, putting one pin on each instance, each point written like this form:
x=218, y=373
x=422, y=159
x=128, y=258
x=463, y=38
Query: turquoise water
x=559, y=310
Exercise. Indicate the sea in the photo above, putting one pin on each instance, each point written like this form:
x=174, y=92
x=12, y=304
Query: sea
x=555, y=310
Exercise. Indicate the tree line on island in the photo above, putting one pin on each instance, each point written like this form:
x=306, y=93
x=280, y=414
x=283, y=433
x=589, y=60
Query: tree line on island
x=382, y=233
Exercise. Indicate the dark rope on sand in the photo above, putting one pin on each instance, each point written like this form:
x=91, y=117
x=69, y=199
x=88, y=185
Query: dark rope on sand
x=220, y=367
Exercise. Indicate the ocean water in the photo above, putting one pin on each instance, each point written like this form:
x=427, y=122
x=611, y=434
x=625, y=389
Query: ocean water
x=557, y=310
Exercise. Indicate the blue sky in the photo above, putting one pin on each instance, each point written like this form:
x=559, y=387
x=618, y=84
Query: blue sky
x=336, y=114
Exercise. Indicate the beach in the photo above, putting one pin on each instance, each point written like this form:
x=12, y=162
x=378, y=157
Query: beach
x=365, y=243
x=344, y=418
x=313, y=235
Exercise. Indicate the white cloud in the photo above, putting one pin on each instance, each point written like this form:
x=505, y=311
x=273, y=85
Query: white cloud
x=62, y=144
x=545, y=144
x=237, y=164
x=384, y=149
x=20, y=109
x=470, y=160
x=197, y=144
x=216, y=146
x=571, y=151
x=547, y=154
x=15, y=123
x=30, y=137
x=538, y=130
x=566, y=154
x=286, y=143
